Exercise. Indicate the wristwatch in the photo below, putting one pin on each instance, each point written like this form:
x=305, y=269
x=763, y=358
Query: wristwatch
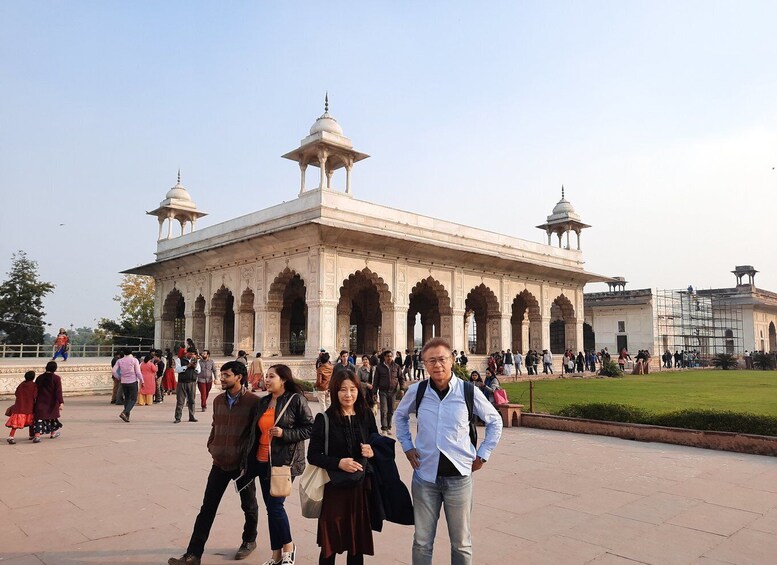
x=482, y=460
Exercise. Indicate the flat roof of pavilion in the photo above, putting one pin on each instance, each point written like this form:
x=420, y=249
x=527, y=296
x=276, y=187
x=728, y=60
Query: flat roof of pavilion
x=389, y=230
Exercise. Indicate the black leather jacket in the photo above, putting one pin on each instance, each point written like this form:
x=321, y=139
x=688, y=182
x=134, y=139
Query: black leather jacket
x=289, y=449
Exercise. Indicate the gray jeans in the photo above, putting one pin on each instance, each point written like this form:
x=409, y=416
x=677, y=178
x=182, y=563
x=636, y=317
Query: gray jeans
x=185, y=392
x=455, y=495
x=386, y=408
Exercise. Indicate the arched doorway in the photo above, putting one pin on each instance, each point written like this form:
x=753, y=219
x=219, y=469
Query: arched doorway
x=562, y=326
x=364, y=300
x=198, y=319
x=222, y=321
x=589, y=337
x=430, y=301
x=174, y=319
x=772, y=338
x=247, y=323
x=482, y=306
x=287, y=296
x=526, y=322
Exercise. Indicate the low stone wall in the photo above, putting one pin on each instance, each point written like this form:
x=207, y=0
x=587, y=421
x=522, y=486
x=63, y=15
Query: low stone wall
x=76, y=379
x=724, y=441
x=94, y=376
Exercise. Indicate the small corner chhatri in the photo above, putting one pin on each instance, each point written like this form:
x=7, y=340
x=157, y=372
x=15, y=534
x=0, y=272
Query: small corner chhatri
x=328, y=149
x=563, y=220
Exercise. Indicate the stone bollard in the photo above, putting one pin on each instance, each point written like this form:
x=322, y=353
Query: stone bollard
x=509, y=413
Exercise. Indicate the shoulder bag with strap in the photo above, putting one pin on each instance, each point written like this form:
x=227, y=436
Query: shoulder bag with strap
x=469, y=400
x=312, y=482
x=280, y=477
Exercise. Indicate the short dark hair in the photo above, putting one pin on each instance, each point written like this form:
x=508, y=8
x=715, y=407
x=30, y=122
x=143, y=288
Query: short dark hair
x=237, y=367
x=436, y=342
x=386, y=352
x=325, y=357
x=284, y=372
x=191, y=350
x=51, y=366
x=258, y=354
x=127, y=351
x=241, y=353
x=343, y=351
x=29, y=375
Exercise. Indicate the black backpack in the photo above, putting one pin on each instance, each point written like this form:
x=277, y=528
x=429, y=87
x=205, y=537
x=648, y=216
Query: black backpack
x=469, y=400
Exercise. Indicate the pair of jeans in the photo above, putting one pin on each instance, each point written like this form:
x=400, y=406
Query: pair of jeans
x=218, y=480
x=184, y=393
x=455, y=493
x=547, y=368
x=130, y=392
x=386, y=408
x=277, y=519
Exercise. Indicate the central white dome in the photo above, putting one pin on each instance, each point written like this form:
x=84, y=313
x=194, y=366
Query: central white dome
x=563, y=207
x=178, y=192
x=326, y=123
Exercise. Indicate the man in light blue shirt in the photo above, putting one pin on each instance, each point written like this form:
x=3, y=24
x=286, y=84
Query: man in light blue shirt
x=443, y=457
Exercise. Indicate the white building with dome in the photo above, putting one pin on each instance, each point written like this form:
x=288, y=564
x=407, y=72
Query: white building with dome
x=326, y=270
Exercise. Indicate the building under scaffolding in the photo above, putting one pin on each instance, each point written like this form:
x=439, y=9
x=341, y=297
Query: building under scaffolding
x=704, y=322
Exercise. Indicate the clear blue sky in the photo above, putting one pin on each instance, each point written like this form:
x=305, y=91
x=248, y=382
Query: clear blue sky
x=660, y=118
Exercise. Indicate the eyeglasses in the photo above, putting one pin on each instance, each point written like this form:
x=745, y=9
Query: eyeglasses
x=437, y=360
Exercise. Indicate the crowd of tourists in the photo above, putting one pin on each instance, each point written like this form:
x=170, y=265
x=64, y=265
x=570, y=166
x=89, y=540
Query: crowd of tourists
x=348, y=477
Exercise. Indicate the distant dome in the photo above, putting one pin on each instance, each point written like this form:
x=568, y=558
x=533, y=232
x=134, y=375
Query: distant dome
x=563, y=207
x=326, y=123
x=178, y=192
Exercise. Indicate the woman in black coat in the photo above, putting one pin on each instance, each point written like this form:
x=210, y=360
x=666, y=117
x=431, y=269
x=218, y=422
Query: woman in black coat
x=279, y=443
x=345, y=521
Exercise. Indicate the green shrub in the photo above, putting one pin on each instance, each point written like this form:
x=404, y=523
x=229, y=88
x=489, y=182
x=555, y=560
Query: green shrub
x=460, y=372
x=724, y=361
x=604, y=411
x=307, y=386
x=610, y=369
x=718, y=421
x=763, y=361
x=706, y=420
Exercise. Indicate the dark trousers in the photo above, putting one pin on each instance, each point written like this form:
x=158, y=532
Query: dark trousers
x=218, y=480
x=184, y=394
x=130, y=396
x=204, y=390
x=277, y=519
x=386, y=408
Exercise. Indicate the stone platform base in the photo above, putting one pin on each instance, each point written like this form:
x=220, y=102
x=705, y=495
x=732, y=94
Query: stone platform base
x=93, y=375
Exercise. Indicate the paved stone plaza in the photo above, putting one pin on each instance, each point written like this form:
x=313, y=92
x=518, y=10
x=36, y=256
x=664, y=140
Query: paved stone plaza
x=110, y=492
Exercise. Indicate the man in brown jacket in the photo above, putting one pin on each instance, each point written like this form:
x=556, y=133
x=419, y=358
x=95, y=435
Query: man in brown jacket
x=323, y=376
x=388, y=379
x=233, y=415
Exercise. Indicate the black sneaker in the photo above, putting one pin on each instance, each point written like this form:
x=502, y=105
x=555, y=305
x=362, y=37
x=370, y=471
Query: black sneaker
x=245, y=549
x=192, y=419
x=185, y=559
x=124, y=417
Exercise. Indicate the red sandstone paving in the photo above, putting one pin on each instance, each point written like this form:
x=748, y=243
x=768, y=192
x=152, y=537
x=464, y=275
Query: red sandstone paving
x=110, y=492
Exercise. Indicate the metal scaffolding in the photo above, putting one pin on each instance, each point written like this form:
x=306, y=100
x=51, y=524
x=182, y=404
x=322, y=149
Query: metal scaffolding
x=702, y=322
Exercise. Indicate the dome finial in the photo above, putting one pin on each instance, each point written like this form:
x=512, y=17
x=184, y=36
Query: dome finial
x=326, y=102
x=179, y=175
x=562, y=191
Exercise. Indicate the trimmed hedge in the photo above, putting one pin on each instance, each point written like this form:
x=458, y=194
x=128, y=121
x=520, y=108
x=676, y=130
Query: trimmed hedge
x=706, y=420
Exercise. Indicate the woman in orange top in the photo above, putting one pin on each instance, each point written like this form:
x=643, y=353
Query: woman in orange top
x=279, y=441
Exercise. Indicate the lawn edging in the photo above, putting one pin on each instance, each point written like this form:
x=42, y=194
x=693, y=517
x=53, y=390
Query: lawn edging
x=723, y=441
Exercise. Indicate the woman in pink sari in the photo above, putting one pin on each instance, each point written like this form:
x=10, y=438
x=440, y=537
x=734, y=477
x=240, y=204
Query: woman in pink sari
x=146, y=392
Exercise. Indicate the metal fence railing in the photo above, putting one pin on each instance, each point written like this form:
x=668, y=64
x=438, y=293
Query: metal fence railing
x=33, y=350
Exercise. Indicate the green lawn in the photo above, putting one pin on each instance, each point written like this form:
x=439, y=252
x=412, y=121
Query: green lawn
x=737, y=391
